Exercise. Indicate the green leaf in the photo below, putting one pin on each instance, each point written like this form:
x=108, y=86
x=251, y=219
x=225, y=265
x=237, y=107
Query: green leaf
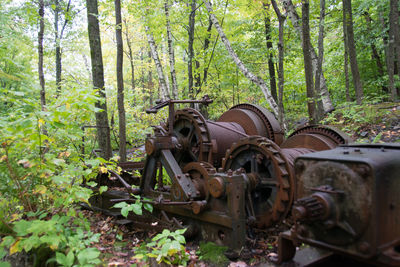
x=148, y=207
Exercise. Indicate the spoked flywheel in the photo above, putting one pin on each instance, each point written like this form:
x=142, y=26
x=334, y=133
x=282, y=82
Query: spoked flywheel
x=270, y=178
x=190, y=129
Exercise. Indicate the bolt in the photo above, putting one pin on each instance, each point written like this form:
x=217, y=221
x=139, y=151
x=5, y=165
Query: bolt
x=346, y=152
x=230, y=172
x=189, y=194
x=178, y=176
x=357, y=150
x=197, y=192
x=187, y=174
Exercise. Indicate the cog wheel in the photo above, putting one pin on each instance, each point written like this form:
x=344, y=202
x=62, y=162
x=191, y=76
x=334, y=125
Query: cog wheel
x=270, y=176
x=191, y=130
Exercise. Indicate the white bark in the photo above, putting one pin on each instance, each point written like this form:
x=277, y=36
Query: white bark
x=160, y=72
x=294, y=17
x=249, y=75
x=171, y=54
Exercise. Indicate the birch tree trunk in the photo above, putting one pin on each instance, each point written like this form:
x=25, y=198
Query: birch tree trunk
x=103, y=130
x=294, y=17
x=281, y=77
x=319, y=108
x=352, y=52
x=171, y=53
x=305, y=7
x=120, y=82
x=249, y=75
x=154, y=54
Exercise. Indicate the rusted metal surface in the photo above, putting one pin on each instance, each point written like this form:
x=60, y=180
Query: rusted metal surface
x=348, y=203
x=255, y=120
x=223, y=179
x=316, y=137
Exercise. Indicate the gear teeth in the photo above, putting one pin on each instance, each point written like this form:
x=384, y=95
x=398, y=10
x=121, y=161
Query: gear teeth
x=281, y=204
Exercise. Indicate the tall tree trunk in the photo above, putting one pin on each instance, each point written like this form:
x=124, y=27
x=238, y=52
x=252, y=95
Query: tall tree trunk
x=164, y=57
x=319, y=108
x=58, y=48
x=40, y=55
x=130, y=56
x=153, y=48
x=271, y=66
x=352, y=51
x=205, y=48
x=58, y=38
x=394, y=47
x=281, y=47
x=257, y=80
x=346, y=59
x=192, y=17
x=171, y=53
x=120, y=82
x=375, y=53
x=305, y=7
x=103, y=130
x=294, y=17
x=150, y=84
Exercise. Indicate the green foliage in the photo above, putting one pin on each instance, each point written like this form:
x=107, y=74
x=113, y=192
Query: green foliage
x=69, y=236
x=135, y=207
x=213, y=253
x=167, y=247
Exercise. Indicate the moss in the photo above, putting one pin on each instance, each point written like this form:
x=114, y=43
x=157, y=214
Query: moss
x=213, y=254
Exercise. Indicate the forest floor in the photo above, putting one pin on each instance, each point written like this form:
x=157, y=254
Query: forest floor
x=367, y=124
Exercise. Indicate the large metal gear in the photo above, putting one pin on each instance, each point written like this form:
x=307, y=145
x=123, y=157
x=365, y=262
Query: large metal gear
x=190, y=128
x=270, y=177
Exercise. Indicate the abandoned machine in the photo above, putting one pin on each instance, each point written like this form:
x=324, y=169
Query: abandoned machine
x=222, y=179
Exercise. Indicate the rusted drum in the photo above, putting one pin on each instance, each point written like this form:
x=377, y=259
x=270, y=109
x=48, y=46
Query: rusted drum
x=316, y=137
x=255, y=120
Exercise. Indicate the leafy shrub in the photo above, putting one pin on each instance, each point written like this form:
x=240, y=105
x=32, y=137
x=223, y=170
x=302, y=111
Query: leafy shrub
x=167, y=247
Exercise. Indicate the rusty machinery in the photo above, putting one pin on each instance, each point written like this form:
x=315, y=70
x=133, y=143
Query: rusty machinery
x=347, y=202
x=225, y=176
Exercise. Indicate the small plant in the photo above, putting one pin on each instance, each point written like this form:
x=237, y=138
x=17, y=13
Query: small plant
x=213, y=253
x=135, y=207
x=167, y=247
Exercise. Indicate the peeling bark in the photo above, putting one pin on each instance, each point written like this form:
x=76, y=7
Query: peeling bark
x=307, y=60
x=171, y=53
x=154, y=54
